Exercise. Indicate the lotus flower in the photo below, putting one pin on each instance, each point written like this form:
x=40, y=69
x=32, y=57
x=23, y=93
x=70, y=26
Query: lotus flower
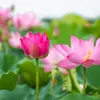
x=26, y=21
x=82, y=52
x=5, y=14
x=52, y=60
x=14, y=40
x=35, y=45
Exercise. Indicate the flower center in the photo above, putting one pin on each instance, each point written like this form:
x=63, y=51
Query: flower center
x=88, y=56
x=54, y=62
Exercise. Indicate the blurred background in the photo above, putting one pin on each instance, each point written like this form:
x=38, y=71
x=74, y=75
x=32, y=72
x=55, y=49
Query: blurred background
x=55, y=8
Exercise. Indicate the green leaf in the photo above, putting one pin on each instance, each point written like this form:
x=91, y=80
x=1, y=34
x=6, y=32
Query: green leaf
x=74, y=18
x=9, y=77
x=8, y=62
x=90, y=90
x=28, y=71
x=22, y=92
x=74, y=96
x=50, y=97
x=8, y=80
x=18, y=53
x=66, y=30
x=92, y=74
x=70, y=24
x=96, y=27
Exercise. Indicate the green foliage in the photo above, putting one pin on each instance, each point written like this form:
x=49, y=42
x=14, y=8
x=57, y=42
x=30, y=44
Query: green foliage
x=9, y=77
x=92, y=74
x=74, y=18
x=96, y=27
x=8, y=62
x=22, y=92
x=28, y=71
x=8, y=80
x=74, y=96
x=70, y=24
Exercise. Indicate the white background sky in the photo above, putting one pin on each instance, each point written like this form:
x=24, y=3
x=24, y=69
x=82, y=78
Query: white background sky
x=55, y=8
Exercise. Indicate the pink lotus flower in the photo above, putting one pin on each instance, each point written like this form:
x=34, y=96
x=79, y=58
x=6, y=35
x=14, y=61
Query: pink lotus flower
x=82, y=52
x=51, y=61
x=64, y=50
x=35, y=45
x=26, y=21
x=5, y=14
x=14, y=40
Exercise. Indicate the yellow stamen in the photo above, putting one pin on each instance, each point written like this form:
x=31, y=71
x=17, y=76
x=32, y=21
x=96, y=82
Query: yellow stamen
x=54, y=62
x=88, y=56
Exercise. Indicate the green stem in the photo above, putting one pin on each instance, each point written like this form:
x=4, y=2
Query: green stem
x=84, y=79
x=37, y=80
x=6, y=47
x=74, y=79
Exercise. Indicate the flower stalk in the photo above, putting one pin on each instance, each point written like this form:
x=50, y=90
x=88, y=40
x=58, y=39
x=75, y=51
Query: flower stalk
x=84, y=79
x=72, y=73
x=37, y=80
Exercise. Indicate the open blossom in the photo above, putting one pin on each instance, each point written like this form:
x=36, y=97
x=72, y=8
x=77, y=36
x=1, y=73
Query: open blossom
x=64, y=50
x=26, y=21
x=14, y=40
x=82, y=52
x=35, y=45
x=51, y=61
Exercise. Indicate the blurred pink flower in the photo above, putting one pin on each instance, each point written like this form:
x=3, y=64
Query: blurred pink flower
x=35, y=45
x=52, y=60
x=26, y=21
x=82, y=52
x=14, y=40
x=5, y=14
